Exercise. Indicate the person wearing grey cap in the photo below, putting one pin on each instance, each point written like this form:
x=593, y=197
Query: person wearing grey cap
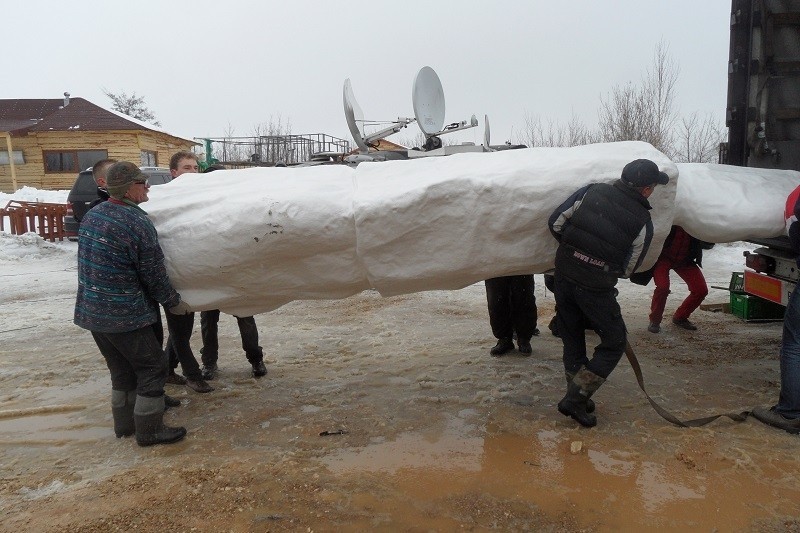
x=604, y=231
x=121, y=280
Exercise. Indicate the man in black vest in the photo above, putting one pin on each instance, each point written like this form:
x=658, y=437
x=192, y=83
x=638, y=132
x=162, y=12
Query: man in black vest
x=604, y=231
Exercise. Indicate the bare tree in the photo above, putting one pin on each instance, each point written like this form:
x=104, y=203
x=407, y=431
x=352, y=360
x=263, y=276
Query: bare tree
x=698, y=139
x=133, y=106
x=272, y=141
x=644, y=112
x=232, y=148
x=554, y=134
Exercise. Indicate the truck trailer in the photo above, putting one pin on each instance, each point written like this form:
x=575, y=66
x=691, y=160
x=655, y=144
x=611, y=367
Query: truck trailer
x=763, y=120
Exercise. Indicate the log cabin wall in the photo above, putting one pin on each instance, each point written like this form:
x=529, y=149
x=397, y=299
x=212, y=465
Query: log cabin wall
x=124, y=145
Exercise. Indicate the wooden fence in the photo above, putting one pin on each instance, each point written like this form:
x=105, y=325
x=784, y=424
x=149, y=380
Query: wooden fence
x=39, y=217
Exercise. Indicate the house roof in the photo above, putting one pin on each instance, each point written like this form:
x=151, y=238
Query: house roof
x=21, y=116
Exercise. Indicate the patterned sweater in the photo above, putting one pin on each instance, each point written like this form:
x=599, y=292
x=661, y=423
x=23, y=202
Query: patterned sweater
x=121, y=273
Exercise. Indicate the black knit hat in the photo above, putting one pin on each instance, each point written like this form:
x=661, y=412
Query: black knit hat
x=120, y=177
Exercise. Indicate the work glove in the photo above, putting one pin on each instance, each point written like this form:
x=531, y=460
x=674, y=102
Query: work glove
x=181, y=309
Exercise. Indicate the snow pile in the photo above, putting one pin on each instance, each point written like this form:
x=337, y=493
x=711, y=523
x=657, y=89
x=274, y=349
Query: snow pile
x=27, y=246
x=30, y=194
x=247, y=241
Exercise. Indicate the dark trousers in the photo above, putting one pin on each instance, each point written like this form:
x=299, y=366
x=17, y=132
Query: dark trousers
x=135, y=360
x=179, y=349
x=158, y=329
x=578, y=306
x=512, y=306
x=209, y=330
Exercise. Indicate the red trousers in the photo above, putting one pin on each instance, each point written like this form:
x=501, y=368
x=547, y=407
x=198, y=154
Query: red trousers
x=694, y=279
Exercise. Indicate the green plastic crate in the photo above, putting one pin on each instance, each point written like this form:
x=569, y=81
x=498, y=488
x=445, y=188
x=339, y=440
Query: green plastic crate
x=751, y=307
x=737, y=283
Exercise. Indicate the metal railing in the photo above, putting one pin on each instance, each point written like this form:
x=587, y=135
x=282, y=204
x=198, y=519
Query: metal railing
x=267, y=150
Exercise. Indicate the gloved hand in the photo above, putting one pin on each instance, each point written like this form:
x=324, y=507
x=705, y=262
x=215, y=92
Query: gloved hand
x=181, y=309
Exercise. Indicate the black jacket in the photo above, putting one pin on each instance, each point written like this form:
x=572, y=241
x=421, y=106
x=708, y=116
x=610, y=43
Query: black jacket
x=604, y=232
x=102, y=196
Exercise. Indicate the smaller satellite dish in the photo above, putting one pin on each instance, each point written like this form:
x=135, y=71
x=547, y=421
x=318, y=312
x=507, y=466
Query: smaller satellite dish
x=354, y=116
x=428, y=100
x=486, y=136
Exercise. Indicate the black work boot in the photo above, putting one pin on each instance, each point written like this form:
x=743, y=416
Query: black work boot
x=590, y=406
x=148, y=415
x=209, y=371
x=170, y=402
x=122, y=410
x=553, y=326
x=579, y=390
x=525, y=347
x=503, y=346
x=209, y=358
x=256, y=360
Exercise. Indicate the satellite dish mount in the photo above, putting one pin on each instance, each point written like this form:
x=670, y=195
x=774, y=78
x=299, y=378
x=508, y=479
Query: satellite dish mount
x=428, y=99
x=356, y=122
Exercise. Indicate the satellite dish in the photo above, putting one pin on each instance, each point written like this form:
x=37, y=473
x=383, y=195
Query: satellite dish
x=354, y=116
x=428, y=99
x=486, y=131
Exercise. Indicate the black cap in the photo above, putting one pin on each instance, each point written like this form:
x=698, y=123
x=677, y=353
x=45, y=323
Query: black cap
x=643, y=172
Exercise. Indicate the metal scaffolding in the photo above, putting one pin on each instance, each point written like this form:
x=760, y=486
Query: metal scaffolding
x=268, y=150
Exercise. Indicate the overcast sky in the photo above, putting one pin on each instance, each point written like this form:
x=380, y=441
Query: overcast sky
x=205, y=67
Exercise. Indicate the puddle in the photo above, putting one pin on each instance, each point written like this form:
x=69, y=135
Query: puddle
x=50, y=428
x=451, y=448
x=607, y=489
x=98, y=389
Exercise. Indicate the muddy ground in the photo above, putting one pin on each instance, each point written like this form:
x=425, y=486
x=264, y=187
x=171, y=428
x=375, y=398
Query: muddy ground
x=430, y=433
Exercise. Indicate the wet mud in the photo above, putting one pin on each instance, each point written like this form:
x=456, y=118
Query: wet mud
x=389, y=415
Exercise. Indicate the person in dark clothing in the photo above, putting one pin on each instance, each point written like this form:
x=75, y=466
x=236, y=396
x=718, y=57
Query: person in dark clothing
x=512, y=309
x=180, y=327
x=209, y=320
x=604, y=231
x=683, y=254
x=785, y=414
x=121, y=280
x=209, y=353
x=179, y=351
x=99, y=171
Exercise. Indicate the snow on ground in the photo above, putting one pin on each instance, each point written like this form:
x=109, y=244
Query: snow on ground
x=31, y=194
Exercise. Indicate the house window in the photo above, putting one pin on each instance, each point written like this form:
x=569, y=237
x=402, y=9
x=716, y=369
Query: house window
x=19, y=159
x=148, y=158
x=72, y=161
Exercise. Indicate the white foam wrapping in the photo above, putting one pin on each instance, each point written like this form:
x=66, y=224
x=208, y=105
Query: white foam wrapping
x=248, y=241
x=447, y=222
x=724, y=203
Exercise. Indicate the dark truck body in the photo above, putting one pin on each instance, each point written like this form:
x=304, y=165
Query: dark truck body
x=763, y=119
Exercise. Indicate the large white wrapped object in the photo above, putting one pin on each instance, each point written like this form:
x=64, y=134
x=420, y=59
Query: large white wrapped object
x=447, y=222
x=724, y=203
x=248, y=241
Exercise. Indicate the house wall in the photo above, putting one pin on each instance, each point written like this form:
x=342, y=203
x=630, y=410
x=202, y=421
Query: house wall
x=121, y=145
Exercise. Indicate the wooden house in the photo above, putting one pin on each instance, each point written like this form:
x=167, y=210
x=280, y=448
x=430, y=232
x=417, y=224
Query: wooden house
x=50, y=140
